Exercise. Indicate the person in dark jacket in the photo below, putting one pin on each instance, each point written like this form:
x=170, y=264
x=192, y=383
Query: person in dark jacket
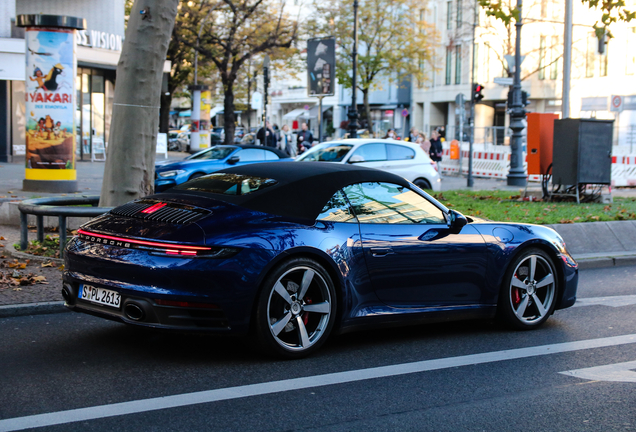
x=267, y=136
x=436, y=149
x=305, y=138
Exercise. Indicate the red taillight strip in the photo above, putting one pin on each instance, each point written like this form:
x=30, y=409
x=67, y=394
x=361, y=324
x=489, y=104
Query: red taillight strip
x=154, y=208
x=146, y=243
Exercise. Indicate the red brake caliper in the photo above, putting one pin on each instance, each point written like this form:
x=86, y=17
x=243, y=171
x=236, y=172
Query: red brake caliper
x=306, y=314
x=516, y=295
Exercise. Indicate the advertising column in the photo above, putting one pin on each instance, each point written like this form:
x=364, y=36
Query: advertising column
x=200, y=118
x=50, y=104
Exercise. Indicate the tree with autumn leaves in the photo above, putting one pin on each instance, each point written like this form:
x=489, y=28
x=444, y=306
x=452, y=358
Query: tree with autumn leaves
x=394, y=42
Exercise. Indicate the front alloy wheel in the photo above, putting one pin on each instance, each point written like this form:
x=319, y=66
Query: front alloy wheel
x=528, y=296
x=296, y=309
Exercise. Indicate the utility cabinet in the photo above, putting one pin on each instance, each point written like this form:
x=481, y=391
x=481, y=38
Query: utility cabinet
x=582, y=151
x=540, y=135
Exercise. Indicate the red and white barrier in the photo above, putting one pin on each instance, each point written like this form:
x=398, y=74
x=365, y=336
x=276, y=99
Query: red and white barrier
x=494, y=162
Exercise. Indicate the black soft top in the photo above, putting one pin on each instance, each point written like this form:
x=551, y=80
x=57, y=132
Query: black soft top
x=302, y=188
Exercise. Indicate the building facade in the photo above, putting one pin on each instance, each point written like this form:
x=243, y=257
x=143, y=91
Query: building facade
x=595, y=77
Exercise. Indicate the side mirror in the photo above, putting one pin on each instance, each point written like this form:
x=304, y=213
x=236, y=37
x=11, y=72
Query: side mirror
x=457, y=221
x=233, y=160
x=356, y=159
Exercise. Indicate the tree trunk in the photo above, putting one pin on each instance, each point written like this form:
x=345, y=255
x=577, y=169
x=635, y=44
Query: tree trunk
x=130, y=165
x=367, y=110
x=228, y=114
x=164, y=115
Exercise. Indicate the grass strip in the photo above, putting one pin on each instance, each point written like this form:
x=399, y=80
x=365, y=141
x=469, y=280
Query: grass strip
x=506, y=207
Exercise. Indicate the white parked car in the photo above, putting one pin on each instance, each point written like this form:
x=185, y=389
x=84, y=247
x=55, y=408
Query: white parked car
x=398, y=157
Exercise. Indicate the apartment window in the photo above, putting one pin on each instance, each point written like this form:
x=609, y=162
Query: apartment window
x=590, y=58
x=554, y=67
x=449, y=61
x=542, y=58
x=449, y=15
x=459, y=13
x=420, y=82
x=458, y=64
x=421, y=23
x=630, y=60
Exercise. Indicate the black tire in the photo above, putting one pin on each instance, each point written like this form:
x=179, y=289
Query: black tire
x=196, y=175
x=528, y=293
x=296, y=309
x=422, y=184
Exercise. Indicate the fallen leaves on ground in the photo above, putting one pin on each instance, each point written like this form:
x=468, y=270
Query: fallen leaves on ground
x=15, y=264
x=15, y=278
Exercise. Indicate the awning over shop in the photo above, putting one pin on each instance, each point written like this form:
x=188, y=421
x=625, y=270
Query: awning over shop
x=313, y=112
x=294, y=114
x=187, y=113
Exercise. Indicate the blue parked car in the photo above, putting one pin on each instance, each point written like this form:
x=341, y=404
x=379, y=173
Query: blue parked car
x=292, y=252
x=170, y=173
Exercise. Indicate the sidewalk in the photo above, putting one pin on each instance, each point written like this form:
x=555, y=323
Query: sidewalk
x=593, y=244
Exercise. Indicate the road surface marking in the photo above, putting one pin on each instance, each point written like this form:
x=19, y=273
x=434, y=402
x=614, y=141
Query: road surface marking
x=613, y=301
x=145, y=405
x=619, y=372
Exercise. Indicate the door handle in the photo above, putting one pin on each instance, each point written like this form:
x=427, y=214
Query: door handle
x=380, y=252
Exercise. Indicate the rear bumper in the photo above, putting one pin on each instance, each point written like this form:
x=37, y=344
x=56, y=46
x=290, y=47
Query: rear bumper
x=145, y=311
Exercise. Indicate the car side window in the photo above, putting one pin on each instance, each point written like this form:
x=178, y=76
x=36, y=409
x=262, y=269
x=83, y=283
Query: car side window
x=369, y=153
x=270, y=155
x=388, y=203
x=398, y=152
x=250, y=155
x=337, y=209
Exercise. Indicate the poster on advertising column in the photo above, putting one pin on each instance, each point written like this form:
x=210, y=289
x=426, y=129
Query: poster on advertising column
x=50, y=108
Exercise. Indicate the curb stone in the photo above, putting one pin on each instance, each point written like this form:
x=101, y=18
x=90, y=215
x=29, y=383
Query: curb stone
x=9, y=311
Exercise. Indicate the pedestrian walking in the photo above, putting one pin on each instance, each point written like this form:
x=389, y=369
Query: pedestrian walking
x=305, y=138
x=267, y=136
x=414, y=135
x=436, y=149
x=286, y=142
x=390, y=134
x=423, y=142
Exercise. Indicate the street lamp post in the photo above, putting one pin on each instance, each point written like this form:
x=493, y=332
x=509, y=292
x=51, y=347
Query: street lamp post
x=517, y=174
x=353, y=111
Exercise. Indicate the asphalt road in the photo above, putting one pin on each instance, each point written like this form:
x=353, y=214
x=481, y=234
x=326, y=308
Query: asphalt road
x=470, y=376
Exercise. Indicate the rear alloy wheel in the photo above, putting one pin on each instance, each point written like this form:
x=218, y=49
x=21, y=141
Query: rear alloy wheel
x=528, y=296
x=422, y=184
x=296, y=309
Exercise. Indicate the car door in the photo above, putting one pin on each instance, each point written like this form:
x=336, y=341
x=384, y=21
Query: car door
x=371, y=155
x=413, y=258
x=401, y=161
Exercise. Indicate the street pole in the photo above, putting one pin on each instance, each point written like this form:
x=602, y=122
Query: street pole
x=266, y=85
x=567, y=60
x=320, y=118
x=517, y=175
x=353, y=111
x=469, y=181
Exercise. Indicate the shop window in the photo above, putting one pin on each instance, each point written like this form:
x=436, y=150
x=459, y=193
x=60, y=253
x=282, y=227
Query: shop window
x=86, y=114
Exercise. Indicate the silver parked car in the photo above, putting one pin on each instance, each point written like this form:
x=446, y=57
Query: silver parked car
x=398, y=157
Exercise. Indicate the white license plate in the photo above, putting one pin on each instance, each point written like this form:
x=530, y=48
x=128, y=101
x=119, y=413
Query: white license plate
x=99, y=295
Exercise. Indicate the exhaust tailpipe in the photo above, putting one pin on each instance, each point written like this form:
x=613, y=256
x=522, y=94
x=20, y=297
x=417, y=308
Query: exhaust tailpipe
x=134, y=312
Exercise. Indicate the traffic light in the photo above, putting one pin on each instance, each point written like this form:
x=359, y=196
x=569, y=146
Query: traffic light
x=477, y=95
x=525, y=96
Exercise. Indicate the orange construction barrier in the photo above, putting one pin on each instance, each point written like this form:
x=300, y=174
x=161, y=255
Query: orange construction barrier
x=454, y=150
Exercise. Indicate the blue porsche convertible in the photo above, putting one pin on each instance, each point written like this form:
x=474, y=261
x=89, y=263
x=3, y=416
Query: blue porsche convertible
x=171, y=173
x=292, y=253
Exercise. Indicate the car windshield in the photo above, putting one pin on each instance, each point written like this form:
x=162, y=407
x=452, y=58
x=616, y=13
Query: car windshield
x=173, y=134
x=215, y=153
x=227, y=184
x=326, y=152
